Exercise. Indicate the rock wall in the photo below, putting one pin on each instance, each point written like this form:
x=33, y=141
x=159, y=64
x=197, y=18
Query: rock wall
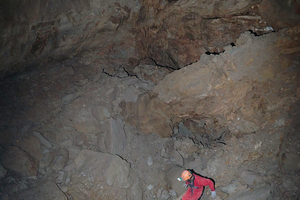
x=172, y=33
x=85, y=131
x=109, y=124
x=246, y=88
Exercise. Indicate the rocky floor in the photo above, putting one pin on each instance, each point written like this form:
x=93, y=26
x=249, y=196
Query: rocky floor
x=64, y=134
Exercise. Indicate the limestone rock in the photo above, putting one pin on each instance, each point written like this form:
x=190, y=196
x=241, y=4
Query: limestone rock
x=44, y=141
x=19, y=161
x=60, y=160
x=112, y=139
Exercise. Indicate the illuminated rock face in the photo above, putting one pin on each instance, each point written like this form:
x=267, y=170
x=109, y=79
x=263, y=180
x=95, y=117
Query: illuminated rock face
x=232, y=88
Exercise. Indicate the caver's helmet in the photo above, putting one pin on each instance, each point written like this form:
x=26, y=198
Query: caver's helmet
x=186, y=175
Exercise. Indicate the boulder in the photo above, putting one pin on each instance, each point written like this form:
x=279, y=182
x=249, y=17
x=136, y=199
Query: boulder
x=103, y=176
x=19, y=161
x=32, y=146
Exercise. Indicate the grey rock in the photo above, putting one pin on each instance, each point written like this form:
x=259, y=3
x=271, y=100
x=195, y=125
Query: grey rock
x=233, y=188
x=249, y=177
x=159, y=192
x=44, y=141
x=177, y=158
x=101, y=113
x=150, y=161
x=2, y=172
x=182, y=130
x=60, y=160
x=112, y=139
x=165, y=195
x=291, y=162
x=150, y=187
x=258, y=193
x=246, y=126
x=44, y=191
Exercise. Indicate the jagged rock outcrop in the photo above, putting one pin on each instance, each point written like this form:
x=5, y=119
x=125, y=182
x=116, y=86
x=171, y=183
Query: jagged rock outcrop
x=232, y=88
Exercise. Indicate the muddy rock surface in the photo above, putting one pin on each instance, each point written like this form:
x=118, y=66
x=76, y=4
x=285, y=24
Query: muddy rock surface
x=83, y=130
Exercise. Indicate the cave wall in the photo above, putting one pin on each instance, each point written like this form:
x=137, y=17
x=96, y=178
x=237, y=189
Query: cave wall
x=172, y=33
x=95, y=119
x=246, y=88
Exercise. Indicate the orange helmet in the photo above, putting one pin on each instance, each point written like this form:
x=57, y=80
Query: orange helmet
x=186, y=175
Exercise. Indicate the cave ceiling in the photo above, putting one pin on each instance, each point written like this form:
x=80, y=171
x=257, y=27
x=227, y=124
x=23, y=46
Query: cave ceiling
x=122, y=33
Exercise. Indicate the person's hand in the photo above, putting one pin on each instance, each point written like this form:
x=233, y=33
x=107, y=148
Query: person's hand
x=213, y=194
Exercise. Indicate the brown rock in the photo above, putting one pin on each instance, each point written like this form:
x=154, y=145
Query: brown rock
x=19, y=161
x=147, y=115
x=32, y=146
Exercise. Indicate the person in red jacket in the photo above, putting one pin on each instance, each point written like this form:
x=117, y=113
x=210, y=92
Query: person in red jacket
x=196, y=185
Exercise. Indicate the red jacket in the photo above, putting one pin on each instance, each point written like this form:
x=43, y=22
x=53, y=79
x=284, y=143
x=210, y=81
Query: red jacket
x=199, y=183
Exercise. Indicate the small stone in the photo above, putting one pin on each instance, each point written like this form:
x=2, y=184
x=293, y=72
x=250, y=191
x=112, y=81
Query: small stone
x=150, y=187
x=159, y=192
x=165, y=195
x=173, y=193
x=150, y=161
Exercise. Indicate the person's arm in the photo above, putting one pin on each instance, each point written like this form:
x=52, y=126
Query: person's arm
x=211, y=184
x=208, y=182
